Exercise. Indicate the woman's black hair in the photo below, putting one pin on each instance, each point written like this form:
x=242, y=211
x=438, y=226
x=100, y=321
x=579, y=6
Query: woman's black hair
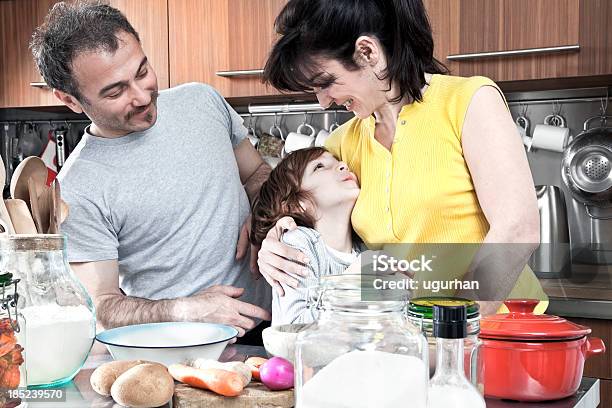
x=328, y=29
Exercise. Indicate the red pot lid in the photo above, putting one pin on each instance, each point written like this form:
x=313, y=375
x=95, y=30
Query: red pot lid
x=522, y=324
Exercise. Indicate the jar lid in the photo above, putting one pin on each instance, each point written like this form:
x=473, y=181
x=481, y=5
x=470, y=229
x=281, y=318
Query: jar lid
x=424, y=306
x=522, y=324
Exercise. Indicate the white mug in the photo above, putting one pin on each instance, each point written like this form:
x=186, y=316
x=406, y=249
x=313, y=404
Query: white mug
x=551, y=138
x=321, y=138
x=298, y=140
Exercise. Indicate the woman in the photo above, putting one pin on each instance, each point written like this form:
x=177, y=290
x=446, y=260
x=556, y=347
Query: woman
x=438, y=157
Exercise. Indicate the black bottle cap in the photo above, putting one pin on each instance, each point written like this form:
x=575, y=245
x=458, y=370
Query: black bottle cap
x=450, y=322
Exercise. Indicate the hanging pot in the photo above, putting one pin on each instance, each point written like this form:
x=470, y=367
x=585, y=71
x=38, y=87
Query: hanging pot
x=587, y=165
x=528, y=357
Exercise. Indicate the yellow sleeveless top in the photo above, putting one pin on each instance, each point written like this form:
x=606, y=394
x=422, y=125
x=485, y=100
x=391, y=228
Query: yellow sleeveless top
x=421, y=191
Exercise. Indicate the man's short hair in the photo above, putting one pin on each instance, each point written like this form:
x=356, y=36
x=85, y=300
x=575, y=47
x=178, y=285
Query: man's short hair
x=70, y=29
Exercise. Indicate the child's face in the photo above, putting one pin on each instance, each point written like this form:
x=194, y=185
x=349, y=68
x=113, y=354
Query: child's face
x=330, y=182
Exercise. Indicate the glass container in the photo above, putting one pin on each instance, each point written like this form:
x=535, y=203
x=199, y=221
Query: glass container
x=12, y=367
x=449, y=385
x=361, y=351
x=420, y=313
x=60, y=314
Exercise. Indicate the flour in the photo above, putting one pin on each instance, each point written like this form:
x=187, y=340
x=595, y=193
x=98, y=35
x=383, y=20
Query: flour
x=448, y=396
x=366, y=379
x=57, y=341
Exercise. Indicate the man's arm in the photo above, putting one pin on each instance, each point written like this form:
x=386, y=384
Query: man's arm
x=253, y=170
x=114, y=309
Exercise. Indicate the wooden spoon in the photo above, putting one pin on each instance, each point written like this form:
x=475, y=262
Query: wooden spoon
x=20, y=217
x=30, y=167
x=54, y=208
x=33, y=193
x=6, y=223
x=65, y=210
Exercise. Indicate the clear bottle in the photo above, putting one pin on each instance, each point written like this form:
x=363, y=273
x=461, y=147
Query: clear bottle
x=12, y=367
x=449, y=386
x=362, y=351
x=60, y=315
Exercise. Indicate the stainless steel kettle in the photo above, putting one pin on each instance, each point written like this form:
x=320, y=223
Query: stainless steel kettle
x=552, y=258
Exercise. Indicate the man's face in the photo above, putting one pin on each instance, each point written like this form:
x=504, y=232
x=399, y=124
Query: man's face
x=119, y=89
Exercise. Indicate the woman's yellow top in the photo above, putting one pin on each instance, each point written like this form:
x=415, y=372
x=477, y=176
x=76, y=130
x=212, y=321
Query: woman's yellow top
x=421, y=190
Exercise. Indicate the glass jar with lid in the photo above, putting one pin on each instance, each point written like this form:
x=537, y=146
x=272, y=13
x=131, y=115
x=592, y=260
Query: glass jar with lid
x=12, y=367
x=59, y=312
x=361, y=351
x=420, y=313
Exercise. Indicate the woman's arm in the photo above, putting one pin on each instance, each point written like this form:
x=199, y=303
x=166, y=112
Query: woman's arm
x=502, y=179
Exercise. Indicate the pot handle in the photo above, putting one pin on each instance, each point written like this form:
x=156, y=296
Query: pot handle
x=593, y=346
x=524, y=306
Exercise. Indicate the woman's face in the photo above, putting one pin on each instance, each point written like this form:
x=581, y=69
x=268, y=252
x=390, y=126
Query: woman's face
x=360, y=91
x=330, y=183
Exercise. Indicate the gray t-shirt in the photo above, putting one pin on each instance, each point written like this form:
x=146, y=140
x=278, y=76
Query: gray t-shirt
x=168, y=202
x=324, y=260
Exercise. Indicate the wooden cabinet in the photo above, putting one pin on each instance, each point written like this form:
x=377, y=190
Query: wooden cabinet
x=217, y=41
x=547, y=38
x=151, y=24
x=19, y=18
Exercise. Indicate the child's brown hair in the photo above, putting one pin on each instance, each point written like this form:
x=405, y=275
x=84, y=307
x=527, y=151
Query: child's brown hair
x=281, y=195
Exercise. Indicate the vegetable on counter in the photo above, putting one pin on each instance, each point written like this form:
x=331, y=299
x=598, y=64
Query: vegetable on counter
x=223, y=382
x=134, y=383
x=254, y=363
x=277, y=374
x=145, y=385
x=236, y=366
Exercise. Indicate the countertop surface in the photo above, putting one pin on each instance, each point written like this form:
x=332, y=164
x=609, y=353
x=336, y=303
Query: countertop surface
x=79, y=393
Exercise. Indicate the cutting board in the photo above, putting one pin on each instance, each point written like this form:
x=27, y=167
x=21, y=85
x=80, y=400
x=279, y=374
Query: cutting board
x=255, y=395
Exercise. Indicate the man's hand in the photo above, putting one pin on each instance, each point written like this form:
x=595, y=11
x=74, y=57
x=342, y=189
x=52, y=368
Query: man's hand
x=219, y=304
x=277, y=260
x=244, y=245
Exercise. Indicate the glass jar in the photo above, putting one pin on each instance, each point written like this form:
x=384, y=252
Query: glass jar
x=361, y=351
x=60, y=315
x=12, y=367
x=420, y=313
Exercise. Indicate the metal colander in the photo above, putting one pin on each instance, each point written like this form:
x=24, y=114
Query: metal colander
x=587, y=166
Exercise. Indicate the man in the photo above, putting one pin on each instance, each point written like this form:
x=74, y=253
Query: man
x=156, y=187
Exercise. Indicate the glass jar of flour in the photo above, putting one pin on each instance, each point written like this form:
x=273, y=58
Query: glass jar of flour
x=361, y=351
x=60, y=315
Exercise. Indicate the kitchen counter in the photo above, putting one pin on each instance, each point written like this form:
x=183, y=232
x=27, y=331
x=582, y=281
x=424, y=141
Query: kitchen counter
x=80, y=394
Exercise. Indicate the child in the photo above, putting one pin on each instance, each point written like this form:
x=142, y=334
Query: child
x=319, y=193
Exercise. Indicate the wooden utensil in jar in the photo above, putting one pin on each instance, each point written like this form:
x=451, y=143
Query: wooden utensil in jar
x=33, y=193
x=6, y=223
x=20, y=217
x=30, y=167
x=55, y=209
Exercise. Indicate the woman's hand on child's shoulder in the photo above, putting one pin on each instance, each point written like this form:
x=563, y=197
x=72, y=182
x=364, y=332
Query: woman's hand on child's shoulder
x=277, y=261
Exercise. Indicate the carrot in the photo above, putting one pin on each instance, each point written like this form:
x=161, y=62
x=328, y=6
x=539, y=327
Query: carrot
x=255, y=363
x=223, y=382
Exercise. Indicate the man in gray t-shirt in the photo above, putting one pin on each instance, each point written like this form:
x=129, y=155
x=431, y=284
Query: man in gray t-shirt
x=158, y=187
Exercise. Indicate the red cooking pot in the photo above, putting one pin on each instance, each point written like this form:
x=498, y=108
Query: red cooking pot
x=528, y=357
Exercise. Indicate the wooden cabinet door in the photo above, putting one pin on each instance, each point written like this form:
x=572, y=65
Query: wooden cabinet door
x=490, y=26
x=213, y=37
x=251, y=36
x=151, y=24
x=18, y=19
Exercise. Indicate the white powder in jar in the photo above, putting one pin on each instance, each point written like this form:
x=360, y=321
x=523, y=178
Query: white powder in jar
x=444, y=396
x=57, y=341
x=366, y=379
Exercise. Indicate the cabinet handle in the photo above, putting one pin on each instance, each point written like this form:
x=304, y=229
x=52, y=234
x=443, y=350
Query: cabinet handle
x=247, y=72
x=513, y=53
x=39, y=85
